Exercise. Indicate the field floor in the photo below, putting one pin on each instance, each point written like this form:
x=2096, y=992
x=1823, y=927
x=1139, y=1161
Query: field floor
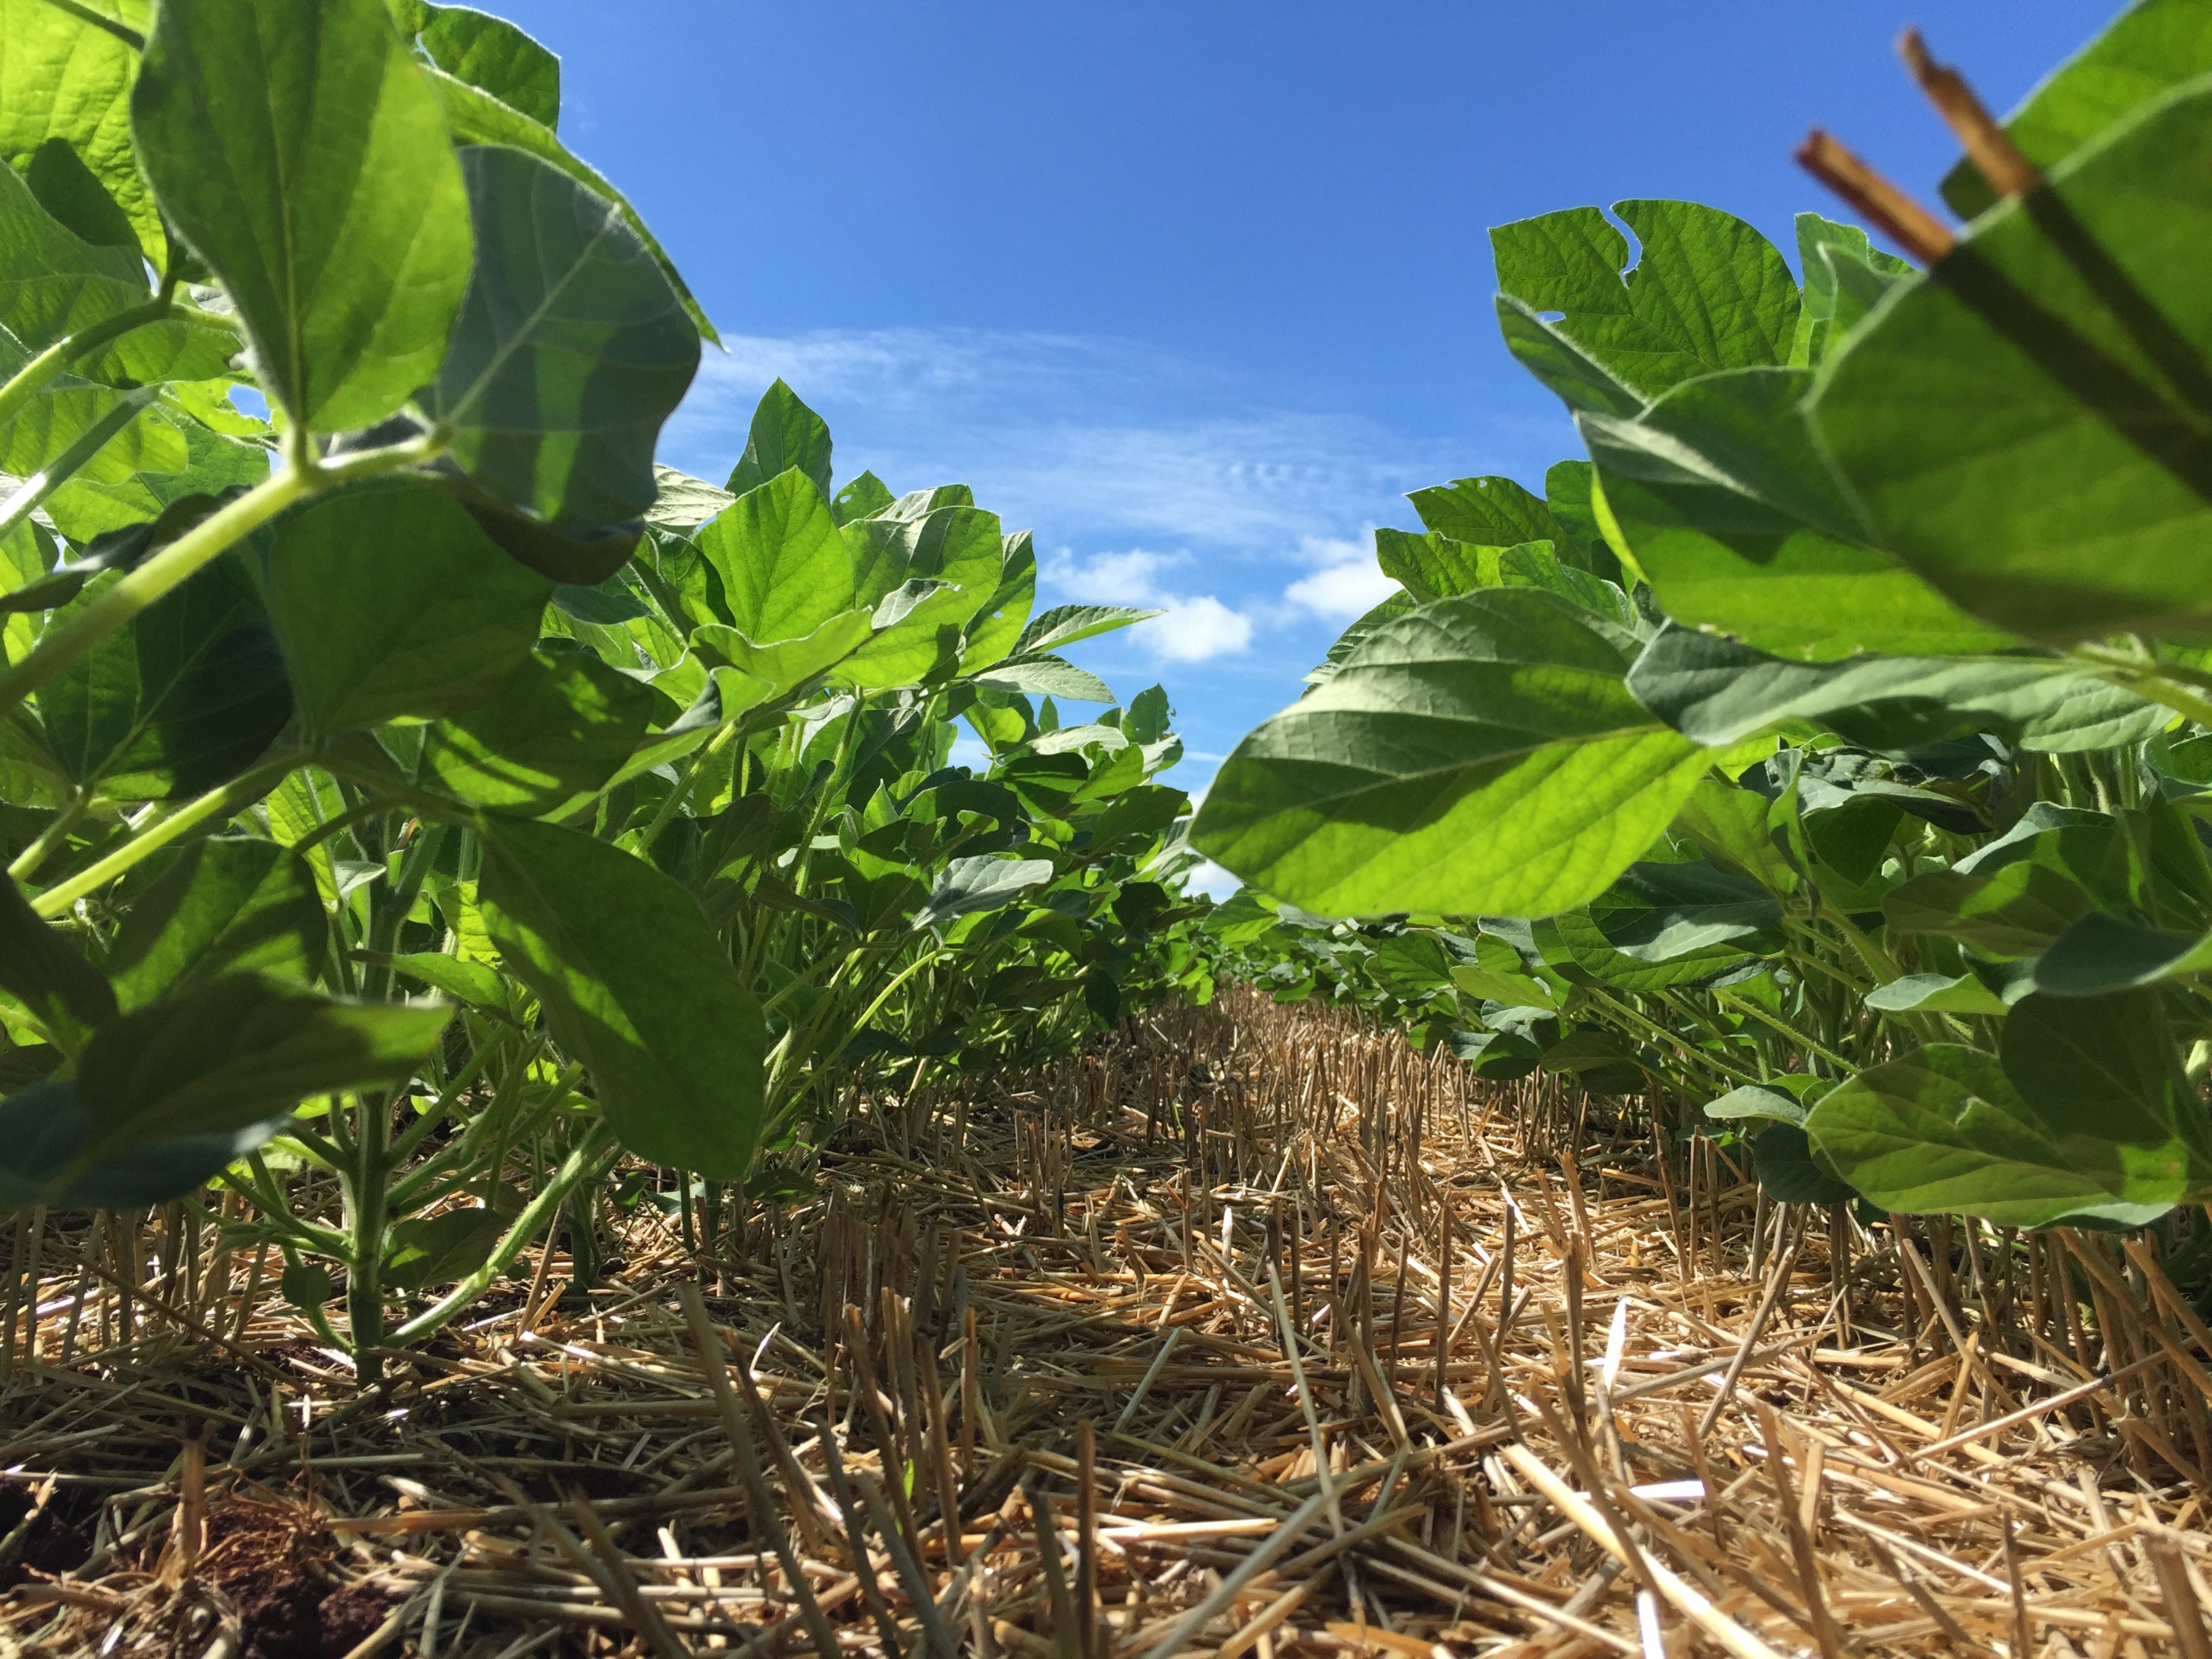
x=1534, y=1403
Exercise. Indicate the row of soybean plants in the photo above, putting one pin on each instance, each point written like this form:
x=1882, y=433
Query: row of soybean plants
x=417, y=799
x=1829, y=750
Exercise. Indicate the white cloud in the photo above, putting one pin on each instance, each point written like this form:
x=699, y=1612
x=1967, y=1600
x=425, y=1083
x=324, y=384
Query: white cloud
x=1079, y=438
x=1212, y=879
x=1345, y=582
x=1197, y=627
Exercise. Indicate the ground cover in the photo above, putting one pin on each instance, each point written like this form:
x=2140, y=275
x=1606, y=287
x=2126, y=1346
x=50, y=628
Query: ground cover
x=1063, y=1300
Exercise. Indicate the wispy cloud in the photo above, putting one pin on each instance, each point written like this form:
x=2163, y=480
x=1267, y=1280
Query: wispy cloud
x=1196, y=628
x=1083, y=440
x=1344, y=583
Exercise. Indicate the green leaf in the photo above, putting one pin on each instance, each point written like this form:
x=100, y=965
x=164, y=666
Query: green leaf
x=682, y=502
x=228, y=903
x=390, y=603
x=42, y=969
x=2101, y=953
x=570, y=352
x=2025, y=425
x=635, y=984
x=233, y=1051
x=970, y=886
x=2012, y=899
x=563, y=726
x=2085, y=1113
x=1737, y=523
x=53, y=283
x=2152, y=46
x=1046, y=676
x=44, y=1131
x=1846, y=276
x=787, y=664
x=427, y=1250
x=1718, y=692
x=1004, y=617
x=491, y=54
x=863, y=498
x=187, y=693
x=1755, y=1101
x=1944, y=1129
x=64, y=79
x=86, y=507
x=1064, y=624
x=1478, y=755
x=1487, y=512
x=1937, y=993
x=1736, y=828
x=1782, y=1154
x=1708, y=293
x=784, y=564
x=302, y=156
x=475, y=117
x=1657, y=912
x=786, y=435
x=1357, y=635
x=474, y=983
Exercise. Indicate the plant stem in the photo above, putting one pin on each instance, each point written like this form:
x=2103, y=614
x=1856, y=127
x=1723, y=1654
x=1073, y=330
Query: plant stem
x=42, y=370
x=218, y=803
x=27, y=862
x=579, y=1164
x=191, y=552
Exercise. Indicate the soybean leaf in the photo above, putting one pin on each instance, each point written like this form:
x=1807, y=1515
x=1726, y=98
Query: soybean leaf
x=609, y=603
x=1782, y=1154
x=1657, y=912
x=1064, y=624
x=570, y=351
x=1478, y=755
x=493, y=56
x=1708, y=293
x=65, y=81
x=476, y=983
x=301, y=154
x=426, y=1250
x=2152, y=46
x=477, y=117
x=1004, y=617
x=2024, y=425
x=228, y=903
x=1755, y=1101
x=1718, y=692
x=783, y=563
x=2016, y=909
x=44, y=1132
x=1845, y=277
x=635, y=985
x=1737, y=521
x=53, y=282
x=187, y=693
x=1945, y=1128
x=1487, y=512
x=1736, y=828
x=564, y=724
x=2085, y=1112
x=971, y=885
x=89, y=506
x=393, y=602
x=42, y=969
x=786, y=664
x=1357, y=635
x=785, y=434
x=115, y=550
x=863, y=498
x=1935, y=994
x=2101, y=953
x=682, y=502
x=1046, y=676
x=233, y=1051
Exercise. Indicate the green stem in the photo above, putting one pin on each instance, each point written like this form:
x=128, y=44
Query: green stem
x=713, y=746
x=578, y=1166
x=1754, y=1011
x=32, y=493
x=218, y=803
x=191, y=552
x=27, y=862
x=44, y=369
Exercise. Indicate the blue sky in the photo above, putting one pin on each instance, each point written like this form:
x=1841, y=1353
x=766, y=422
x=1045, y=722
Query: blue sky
x=1198, y=291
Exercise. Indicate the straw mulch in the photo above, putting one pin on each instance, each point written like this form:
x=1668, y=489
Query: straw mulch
x=1549, y=1392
